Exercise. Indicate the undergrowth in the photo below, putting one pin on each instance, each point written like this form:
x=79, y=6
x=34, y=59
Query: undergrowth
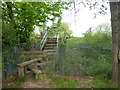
x=62, y=82
x=74, y=59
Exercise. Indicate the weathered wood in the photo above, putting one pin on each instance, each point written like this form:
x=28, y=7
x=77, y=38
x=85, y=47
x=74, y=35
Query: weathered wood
x=49, y=48
x=33, y=66
x=29, y=62
x=21, y=71
x=51, y=39
x=50, y=45
x=46, y=51
x=31, y=56
x=43, y=41
x=37, y=72
x=50, y=53
x=40, y=64
x=21, y=67
x=29, y=52
x=32, y=53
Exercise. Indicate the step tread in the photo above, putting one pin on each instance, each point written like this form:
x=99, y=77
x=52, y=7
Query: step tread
x=51, y=44
x=36, y=71
x=49, y=47
x=49, y=50
x=51, y=41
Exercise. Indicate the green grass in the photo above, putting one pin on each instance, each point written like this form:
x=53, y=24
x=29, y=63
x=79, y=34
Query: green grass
x=73, y=41
x=41, y=78
x=18, y=81
x=15, y=82
x=101, y=82
x=62, y=82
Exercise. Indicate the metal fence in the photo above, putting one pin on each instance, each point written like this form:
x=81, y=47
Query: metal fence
x=9, y=61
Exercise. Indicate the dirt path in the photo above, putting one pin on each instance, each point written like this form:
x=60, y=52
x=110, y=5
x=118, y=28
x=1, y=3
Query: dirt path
x=45, y=81
x=41, y=82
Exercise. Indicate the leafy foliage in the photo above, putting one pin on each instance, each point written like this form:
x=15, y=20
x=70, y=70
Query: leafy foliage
x=18, y=23
x=61, y=28
x=87, y=55
x=19, y=19
x=100, y=36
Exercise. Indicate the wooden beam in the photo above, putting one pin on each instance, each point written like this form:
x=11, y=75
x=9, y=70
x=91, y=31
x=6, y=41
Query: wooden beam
x=29, y=62
x=31, y=56
x=21, y=71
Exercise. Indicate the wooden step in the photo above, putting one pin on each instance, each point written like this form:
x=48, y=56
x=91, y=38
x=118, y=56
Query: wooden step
x=48, y=45
x=31, y=56
x=29, y=53
x=48, y=51
x=37, y=72
x=51, y=42
x=49, y=48
x=41, y=64
x=51, y=38
x=29, y=62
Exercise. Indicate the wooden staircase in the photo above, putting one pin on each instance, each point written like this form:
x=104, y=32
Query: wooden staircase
x=49, y=48
x=50, y=44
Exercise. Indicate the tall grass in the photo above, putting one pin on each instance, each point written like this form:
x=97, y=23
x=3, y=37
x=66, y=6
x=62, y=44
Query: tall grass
x=72, y=60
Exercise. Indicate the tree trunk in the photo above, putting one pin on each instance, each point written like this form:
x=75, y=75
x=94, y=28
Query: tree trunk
x=114, y=22
x=119, y=44
x=10, y=13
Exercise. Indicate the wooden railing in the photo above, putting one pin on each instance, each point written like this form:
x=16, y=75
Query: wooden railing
x=21, y=67
x=58, y=37
x=42, y=43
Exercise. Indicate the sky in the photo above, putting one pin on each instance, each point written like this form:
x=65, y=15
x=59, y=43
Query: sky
x=84, y=19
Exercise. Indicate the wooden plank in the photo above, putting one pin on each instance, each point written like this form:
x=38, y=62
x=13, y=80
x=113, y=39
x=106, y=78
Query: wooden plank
x=40, y=64
x=29, y=52
x=21, y=71
x=51, y=45
x=29, y=62
x=31, y=56
x=46, y=51
x=47, y=48
x=37, y=72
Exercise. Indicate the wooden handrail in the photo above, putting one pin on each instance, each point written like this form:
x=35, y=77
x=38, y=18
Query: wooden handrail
x=58, y=37
x=42, y=43
x=68, y=34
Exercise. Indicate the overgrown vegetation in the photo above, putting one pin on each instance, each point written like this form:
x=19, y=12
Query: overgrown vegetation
x=14, y=82
x=59, y=81
x=63, y=82
x=89, y=55
x=18, y=24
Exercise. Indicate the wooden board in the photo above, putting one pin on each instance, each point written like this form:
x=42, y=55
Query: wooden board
x=31, y=56
x=29, y=62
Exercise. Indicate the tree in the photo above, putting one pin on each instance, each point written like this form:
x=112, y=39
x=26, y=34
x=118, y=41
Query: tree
x=100, y=36
x=115, y=15
x=63, y=29
x=119, y=44
x=19, y=19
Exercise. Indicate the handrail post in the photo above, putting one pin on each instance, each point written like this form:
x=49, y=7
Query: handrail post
x=58, y=39
x=43, y=40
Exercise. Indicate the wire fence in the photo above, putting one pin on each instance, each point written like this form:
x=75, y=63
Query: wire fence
x=82, y=60
x=9, y=61
x=69, y=60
